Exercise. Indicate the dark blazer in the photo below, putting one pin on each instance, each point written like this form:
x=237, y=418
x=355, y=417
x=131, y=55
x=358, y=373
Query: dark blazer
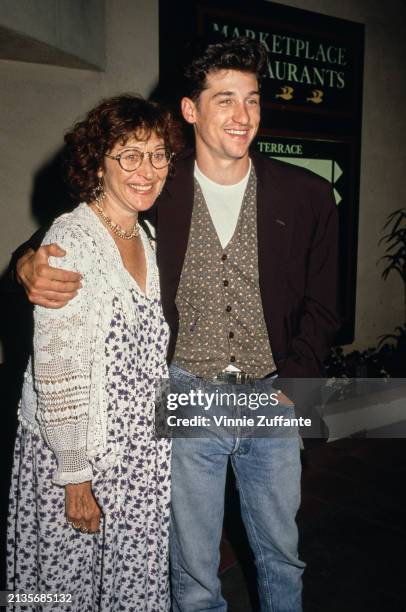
x=297, y=226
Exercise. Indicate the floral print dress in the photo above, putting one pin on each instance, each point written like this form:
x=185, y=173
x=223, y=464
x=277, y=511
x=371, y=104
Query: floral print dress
x=124, y=567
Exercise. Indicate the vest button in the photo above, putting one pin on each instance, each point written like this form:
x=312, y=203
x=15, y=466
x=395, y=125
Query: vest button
x=223, y=257
x=231, y=334
x=228, y=308
x=232, y=358
x=225, y=283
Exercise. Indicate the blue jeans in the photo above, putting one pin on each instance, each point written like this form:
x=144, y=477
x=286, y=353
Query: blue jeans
x=267, y=472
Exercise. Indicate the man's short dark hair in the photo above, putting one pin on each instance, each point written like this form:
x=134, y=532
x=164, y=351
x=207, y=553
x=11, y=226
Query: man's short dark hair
x=242, y=54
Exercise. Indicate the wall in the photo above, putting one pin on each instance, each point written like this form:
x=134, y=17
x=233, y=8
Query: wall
x=38, y=102
x=58, y=32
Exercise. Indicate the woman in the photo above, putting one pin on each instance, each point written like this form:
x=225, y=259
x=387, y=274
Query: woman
x=89, y=505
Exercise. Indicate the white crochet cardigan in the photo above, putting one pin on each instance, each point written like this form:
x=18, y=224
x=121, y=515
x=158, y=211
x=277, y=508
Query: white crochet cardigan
x=64, y=394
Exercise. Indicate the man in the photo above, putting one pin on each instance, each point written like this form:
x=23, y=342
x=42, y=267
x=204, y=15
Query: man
x=247, y=250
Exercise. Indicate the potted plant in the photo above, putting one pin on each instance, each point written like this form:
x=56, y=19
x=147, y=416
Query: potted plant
x=395, y=258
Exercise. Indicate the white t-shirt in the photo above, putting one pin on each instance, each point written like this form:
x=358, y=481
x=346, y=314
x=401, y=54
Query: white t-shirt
x=224, y=203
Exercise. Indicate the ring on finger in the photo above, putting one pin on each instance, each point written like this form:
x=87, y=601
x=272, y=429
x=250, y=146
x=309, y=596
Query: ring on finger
x=84, y=530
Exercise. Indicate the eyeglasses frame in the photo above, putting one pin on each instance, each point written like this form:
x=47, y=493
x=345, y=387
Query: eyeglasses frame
x=142, y=156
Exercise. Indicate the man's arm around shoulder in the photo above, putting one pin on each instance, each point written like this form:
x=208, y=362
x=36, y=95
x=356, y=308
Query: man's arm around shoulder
x=44, y=285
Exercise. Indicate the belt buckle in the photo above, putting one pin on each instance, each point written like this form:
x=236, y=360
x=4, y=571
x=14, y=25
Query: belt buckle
x=236, y=378
x=241, y=378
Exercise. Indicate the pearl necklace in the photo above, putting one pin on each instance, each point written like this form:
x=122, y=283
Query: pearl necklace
x=115, y=227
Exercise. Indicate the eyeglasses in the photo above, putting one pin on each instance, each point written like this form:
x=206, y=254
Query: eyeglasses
x=131, y=159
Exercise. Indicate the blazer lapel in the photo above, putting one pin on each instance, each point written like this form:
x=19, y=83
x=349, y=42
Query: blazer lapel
x=174, y=216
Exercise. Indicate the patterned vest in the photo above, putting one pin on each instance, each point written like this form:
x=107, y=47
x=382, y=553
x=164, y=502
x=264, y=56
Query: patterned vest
x=221, y=320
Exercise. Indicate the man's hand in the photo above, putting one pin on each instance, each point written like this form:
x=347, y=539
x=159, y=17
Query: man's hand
x=82, y=510
x=284, y=400
x=46, y=286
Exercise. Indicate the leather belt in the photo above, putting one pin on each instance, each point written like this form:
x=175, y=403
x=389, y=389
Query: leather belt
x=237, y=378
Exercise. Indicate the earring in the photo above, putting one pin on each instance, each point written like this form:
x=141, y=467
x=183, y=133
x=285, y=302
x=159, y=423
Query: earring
x=161, y=189
x=98, y=192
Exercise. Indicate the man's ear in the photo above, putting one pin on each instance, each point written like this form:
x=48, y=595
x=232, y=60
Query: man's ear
x=188, y=108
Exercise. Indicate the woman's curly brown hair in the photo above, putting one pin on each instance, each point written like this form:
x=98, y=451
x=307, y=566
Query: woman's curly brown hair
x=113, y=120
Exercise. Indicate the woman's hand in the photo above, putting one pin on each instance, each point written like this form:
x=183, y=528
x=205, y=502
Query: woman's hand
x=82, y=510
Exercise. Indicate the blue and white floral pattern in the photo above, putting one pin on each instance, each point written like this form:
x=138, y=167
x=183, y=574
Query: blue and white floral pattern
x=125, y=566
